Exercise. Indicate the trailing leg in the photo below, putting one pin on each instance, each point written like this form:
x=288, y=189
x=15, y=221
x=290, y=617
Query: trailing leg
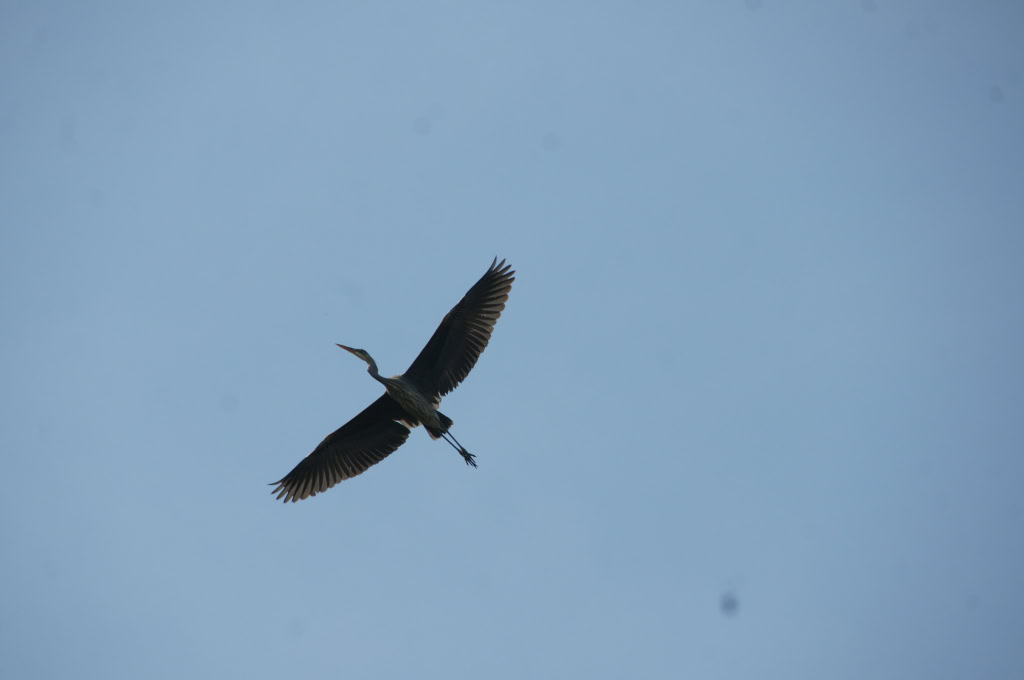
x=466, y=455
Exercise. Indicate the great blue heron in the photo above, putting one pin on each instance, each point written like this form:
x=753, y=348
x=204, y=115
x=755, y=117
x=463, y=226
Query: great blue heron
x=412, y=398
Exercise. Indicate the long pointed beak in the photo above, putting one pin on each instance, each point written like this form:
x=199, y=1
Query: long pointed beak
x=347, y=349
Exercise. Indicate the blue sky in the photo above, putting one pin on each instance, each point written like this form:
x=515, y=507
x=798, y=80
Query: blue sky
x=764, y=342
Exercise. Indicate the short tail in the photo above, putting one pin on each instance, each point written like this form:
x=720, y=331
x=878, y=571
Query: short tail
x=446, y=423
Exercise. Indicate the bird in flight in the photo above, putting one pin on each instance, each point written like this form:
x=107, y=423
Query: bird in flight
x=410, y=399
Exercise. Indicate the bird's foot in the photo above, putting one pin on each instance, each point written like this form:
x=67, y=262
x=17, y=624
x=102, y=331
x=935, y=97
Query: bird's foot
x=468, y=457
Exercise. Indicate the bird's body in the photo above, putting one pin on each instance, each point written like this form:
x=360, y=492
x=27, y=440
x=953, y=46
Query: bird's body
x=410, y=399
x=414, y=403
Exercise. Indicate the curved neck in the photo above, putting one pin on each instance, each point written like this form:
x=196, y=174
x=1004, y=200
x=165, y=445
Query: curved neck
x=372, y=369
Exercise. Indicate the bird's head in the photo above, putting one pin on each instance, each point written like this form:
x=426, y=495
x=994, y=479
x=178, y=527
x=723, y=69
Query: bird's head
x=362, y=354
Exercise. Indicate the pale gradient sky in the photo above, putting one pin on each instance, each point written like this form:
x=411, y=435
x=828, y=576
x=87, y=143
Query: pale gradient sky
x=764, y=342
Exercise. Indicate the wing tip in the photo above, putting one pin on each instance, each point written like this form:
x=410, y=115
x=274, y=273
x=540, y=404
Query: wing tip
x=502, y=269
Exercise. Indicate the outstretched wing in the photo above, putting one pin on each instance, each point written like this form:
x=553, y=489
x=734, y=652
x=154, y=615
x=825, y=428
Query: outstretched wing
x=363, y=441
x=463, y=334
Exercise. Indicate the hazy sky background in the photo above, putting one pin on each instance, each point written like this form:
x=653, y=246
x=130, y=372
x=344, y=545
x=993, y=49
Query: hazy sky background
x=755, y=408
